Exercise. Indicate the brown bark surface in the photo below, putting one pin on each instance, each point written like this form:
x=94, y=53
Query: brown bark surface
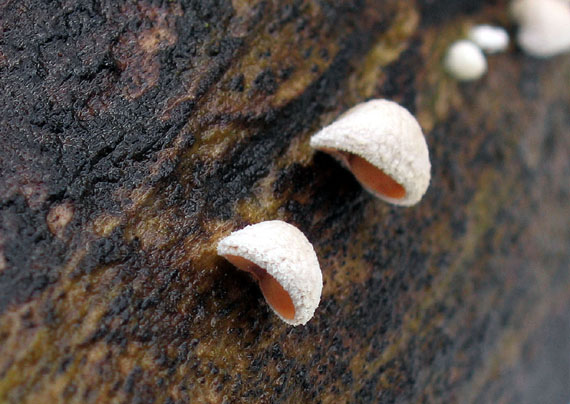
x=135, y=135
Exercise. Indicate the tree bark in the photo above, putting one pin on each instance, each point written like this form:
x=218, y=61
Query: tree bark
x=135, y=135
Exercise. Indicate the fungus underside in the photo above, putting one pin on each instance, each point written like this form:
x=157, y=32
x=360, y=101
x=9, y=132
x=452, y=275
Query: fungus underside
x=276, y=296
x=371, y=176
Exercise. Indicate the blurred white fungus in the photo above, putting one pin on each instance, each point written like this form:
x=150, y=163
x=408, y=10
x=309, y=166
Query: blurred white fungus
x=489, y=38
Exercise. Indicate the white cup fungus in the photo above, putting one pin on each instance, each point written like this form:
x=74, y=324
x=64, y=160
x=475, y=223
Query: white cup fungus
x=384, y=147
x=284, y=263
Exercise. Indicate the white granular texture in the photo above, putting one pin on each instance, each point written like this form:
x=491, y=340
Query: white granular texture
x=286, y=254
x=386, y=135
x=465, y=61
x=489, y=38
x=544, y=26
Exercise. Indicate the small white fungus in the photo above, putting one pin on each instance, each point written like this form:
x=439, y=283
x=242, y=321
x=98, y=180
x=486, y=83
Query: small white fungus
x=384, y=147
x=544, y=26
x=465, y=61
x=489, y=38
x=283, y=261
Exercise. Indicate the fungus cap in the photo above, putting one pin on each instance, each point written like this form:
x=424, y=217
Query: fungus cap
x=384, y=147
x=544, y=26
x=283, y=261
x=465, y=61
x=489, y=38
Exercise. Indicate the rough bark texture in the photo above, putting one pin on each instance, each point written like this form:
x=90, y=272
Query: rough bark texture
x=133, y=136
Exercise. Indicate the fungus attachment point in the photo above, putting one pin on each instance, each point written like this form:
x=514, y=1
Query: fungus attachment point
x=384, y=147
x=283, y=262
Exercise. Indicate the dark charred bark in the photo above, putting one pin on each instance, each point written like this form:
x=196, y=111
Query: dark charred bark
x=134, y=135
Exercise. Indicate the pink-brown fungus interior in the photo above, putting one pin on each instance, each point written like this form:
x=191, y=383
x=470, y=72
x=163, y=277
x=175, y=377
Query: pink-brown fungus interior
x=369, y=175
x=374, y=178
x=276, y=296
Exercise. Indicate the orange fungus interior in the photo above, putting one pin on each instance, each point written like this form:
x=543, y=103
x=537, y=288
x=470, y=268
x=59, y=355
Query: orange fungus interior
x=276, y=296
x=374, y=178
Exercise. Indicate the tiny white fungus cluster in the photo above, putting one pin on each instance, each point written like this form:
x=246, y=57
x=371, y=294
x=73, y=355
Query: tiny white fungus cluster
x=465, y=59
x=382, y=144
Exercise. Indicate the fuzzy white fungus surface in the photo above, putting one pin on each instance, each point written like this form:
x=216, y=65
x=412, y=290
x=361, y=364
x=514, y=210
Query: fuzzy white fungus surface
x=390, y=138
x=285, y=253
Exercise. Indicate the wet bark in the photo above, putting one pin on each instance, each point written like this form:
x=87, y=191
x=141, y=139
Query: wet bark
x=135, y=135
